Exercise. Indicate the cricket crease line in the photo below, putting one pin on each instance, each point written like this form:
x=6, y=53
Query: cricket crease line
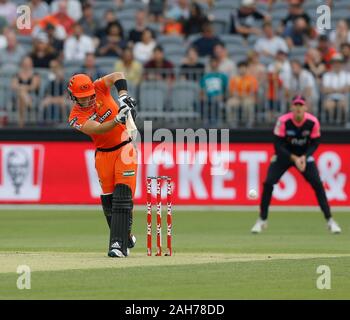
x=58, y=261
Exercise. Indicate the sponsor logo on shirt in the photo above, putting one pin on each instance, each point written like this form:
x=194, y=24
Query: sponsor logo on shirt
x=93, y=117
x=298, y=142
x=105, y=115
x=74, y=120
x=129, y=173
x=291, y=133
x=305, y=133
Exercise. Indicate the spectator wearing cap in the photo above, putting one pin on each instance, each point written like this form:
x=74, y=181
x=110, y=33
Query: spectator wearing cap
x=191, y=69
x=143, y=50
x=345, y=52
x=8, y=11
x=73, y=8
x=270, y=43
x=132, y=68
x=314, y=64
x=90, y=67
x=13, y=53
x=113, y=43
x=213, y=91
x=243, y=90
x=55, y=94
x=335, y=88
x=78, y=45
x=88, y=21
x=141, y=18
x=247, y=20
x=25, y=84
x=302, y=82
x=196, y=20
x=340, y=35
x=42, y=53
x=326, y=49
x=159, y=68
x=206, y=43
x=226, y=65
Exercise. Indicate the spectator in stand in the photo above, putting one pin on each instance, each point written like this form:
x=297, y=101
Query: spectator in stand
x=25, y=84
x=180, y=10
x=302, y=82
x=55, y=97
x=327, y=51
x=3, y=41
x=143, y=50
x=8, y=10
x=59, y=31
x=299, y=34
x=78, y=45
x=340, y=35
x=88, y=21
x=274, y=91
x=243, y=90
x=141, y=18
x=61, y=15
x=213, y=90
x=39, y=9
x=191, y=69
x=345, y=52
x=226, y=65
x=54, y=41
x=270, y=43
x=112, y=44
x=247, y=20
x=13, y=53
x=206, y=43
x=314, y=64
x=90, y=68
x=159, y=68
x=282, y=66
x=295, y=11
x=156, y=10
x=171, y=26
x=196, y=20
x=109, y=17
x=73, y=8
x=42, y=53
x=256, y=68
x=130, y=67
x=335, y=87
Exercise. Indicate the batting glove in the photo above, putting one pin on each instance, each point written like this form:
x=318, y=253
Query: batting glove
x=127, y=101
x=122, y=115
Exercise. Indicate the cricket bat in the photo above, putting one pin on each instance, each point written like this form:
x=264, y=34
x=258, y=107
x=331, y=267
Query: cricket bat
x=131, y=127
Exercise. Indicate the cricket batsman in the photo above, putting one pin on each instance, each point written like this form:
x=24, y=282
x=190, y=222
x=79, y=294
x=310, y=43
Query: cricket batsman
x=98, y=115
x=297, y=136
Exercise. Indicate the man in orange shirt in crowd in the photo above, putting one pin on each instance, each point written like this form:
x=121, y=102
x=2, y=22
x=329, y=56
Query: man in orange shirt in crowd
x=243, y=90
x=98, y=115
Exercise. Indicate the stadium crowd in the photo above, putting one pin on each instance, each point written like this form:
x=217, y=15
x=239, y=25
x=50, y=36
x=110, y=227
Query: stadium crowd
x=217, y=62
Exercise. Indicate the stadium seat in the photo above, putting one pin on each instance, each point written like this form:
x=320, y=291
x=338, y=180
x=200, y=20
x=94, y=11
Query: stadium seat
x=106, y=62
x=166, y=40
x=220, y=26
x=153, y=96
x=222, y=13
x=184, y=99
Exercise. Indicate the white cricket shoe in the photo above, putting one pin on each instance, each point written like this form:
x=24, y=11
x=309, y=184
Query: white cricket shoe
x=259, y=226
x=333, y=226
x=116, y=252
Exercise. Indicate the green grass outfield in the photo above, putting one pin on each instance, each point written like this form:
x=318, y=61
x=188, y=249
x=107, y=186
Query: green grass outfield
x=215, y=257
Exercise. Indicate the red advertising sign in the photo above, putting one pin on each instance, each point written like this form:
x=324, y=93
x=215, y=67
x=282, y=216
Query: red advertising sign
x=64, y=173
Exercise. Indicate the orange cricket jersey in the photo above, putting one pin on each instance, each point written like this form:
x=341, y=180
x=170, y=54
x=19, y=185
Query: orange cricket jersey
x=106, y=109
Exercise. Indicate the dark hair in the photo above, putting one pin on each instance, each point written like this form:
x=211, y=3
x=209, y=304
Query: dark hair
x=243, y=63
x=296, y=61
x=323, y=37
x=158, y=47
x=344, y=45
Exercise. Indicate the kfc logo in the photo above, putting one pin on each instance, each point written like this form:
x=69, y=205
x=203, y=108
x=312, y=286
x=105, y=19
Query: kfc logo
x=21, y=172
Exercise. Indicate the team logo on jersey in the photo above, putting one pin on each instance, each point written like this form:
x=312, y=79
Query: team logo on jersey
x=93, y=117
x=85, y=87
x=291, y=133
x=305, y=133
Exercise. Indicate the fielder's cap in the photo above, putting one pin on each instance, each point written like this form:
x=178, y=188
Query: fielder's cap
x=299, y=99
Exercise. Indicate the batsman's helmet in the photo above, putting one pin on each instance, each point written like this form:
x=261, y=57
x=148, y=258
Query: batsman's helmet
x=80, y=87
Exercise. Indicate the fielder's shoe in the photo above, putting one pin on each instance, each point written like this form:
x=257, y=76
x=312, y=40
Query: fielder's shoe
x=131, y=241
x=333, y=226
x=259, y=226
x=116, y=252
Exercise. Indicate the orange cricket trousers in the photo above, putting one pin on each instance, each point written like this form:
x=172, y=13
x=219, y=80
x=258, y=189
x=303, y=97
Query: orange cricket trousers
x=119, y=166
